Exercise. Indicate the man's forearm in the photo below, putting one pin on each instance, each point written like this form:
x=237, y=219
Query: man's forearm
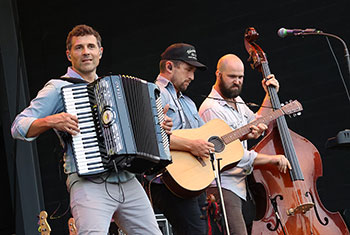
x=263, y=159
x=179, y=143
x=38, y=126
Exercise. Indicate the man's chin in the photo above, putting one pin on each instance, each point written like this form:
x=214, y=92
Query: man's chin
x=88, y=68
x=236, y=91
x=183, y=88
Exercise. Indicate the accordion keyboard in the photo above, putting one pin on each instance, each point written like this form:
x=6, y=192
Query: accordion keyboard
x=88, y=152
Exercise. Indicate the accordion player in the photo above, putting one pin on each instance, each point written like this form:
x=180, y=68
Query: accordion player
x=119, y=119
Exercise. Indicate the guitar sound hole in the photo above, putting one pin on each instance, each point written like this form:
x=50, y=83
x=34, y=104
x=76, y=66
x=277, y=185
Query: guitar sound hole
x=219, y=145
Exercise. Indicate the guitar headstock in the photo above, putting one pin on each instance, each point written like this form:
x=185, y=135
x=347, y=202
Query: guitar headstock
x=293, y=107
x=44, y=227
x=71, y=227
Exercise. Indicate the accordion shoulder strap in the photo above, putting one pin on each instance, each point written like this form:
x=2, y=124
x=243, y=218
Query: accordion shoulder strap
x=72, y=80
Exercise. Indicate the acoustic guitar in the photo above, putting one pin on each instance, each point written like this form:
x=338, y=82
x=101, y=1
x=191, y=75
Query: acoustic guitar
x=189, y=175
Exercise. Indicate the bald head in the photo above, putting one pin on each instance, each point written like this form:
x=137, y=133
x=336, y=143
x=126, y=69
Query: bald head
x=229, y=76
x=229, y=62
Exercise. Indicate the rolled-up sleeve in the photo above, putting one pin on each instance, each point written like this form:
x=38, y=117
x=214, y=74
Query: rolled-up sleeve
x=47, y=102
x=247, y=161
x=21, y=126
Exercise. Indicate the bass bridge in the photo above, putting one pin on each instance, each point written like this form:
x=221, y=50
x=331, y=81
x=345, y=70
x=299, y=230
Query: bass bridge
x=303, y=208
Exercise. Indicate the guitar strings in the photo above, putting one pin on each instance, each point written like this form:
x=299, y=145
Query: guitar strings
x=251, y=104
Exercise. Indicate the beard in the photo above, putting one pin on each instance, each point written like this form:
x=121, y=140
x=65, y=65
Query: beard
x=183, y=87
x=227, y=92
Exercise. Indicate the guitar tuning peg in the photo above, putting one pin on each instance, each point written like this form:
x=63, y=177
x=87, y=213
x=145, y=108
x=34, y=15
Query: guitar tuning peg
x=282, y=104
x=295, y=114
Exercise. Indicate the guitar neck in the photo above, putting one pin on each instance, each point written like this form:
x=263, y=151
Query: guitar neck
x=238, y=133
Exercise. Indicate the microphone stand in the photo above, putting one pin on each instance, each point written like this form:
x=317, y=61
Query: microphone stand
x=347, y=58
x=218, y=184
x=346, y=51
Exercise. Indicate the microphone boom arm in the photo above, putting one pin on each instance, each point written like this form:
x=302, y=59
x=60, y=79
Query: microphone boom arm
x=346, y=51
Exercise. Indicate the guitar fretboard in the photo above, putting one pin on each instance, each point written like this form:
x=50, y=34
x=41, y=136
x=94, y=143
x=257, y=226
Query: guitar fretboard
x=238, y=133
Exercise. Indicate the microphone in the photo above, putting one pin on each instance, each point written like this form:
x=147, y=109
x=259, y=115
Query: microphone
x=282, y=32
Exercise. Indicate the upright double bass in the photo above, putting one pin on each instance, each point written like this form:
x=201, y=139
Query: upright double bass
x=287, y=203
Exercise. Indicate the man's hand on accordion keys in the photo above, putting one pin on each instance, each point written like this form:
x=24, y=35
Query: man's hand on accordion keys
x=167, y=124
x=65, y=122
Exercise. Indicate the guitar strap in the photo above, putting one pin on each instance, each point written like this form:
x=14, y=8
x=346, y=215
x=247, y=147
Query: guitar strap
x=181, y=106
x=185, y=111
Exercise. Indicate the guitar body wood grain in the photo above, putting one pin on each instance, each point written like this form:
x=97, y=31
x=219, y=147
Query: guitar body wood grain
x=188, y=176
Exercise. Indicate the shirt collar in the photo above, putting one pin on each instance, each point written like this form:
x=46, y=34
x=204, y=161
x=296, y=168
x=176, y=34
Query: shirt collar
x=218, y=97
x=168, y=84
x=162, y=81
x=72, y=74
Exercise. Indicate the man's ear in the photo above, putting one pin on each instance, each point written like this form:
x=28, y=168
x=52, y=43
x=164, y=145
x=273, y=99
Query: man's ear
x=169, y=66
x=101, y=52
x=68, y=55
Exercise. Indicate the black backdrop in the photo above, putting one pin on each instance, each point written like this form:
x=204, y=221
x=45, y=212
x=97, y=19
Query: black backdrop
x=134, y=33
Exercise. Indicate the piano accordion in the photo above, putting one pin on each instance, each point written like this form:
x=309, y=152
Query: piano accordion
x=119, y=120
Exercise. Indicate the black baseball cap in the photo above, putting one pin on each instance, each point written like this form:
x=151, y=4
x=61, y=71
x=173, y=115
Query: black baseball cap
x=184, y=52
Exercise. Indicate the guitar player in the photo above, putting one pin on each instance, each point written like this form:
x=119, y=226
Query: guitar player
x=177, y=66
x=225, y=103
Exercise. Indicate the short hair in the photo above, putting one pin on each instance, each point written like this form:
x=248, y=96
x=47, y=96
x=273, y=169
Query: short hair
x=163, y=62
x=82, y=30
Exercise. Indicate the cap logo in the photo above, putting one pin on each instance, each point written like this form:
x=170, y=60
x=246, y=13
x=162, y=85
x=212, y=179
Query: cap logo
x=191, y=54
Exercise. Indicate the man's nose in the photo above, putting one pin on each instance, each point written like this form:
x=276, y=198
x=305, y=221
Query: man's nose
x=191, y=76
x=86, y=51
x=237, y=81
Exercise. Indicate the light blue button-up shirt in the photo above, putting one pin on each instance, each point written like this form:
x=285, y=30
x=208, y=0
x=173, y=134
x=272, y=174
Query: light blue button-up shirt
x=182, y=110
x=49, y=101
x=232, y=179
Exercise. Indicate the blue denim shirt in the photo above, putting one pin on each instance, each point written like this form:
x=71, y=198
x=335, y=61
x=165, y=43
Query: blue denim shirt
x=48, y=102
x=179, y=106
